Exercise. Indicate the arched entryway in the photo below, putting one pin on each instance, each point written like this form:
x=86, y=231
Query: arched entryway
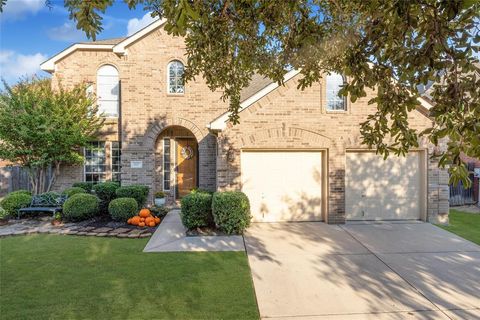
x=176, y=162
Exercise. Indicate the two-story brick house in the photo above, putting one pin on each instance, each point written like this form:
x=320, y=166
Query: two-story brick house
x=296, y=154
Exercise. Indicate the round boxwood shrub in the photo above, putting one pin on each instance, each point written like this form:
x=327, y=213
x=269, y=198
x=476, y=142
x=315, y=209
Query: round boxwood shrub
x=15, y=201
x=138, y=192
x=197, y=210
x=231, y=211
x=105, y=191
x=73, y=190
x=87, y=186
x=121, y=209
x=80, y=206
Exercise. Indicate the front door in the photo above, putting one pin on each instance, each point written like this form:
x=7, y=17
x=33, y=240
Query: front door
x=186, y=155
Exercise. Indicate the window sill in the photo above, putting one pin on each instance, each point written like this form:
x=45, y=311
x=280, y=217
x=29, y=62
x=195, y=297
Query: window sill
x=337, y=111
x=110, y=120
x=175, y=94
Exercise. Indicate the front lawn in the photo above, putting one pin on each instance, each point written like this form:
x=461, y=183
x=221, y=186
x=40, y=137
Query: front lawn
x=464, y=224
x=71, y=277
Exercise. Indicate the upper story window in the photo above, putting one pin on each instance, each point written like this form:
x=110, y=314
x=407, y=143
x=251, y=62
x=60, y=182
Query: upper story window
x=175, y=77
x=108, y=90
x=335, y=102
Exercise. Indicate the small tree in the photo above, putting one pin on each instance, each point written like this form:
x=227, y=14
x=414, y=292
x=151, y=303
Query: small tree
x=42, y=128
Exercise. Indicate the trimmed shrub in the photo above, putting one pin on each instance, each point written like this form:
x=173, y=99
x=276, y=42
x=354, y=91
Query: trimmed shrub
x=87, y=186
x=105, y=192
x=3, y=214
x=22, y=191
x=197, y=210
x=231, y=211
x=138, y=192
x=80, y=206
x=15, y=201
x=200, y=190
x=121, y=209
x=73, y=190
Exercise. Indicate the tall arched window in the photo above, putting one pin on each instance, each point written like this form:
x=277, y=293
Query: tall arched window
x=108, y=90
x=175, y=77
x=335, y=102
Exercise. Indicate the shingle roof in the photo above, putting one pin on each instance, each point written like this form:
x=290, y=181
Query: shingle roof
x=112, y=41
x=257, y=83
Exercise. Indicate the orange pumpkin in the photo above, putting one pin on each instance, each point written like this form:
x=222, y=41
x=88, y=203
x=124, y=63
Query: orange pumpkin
x=141, y=224
x=157, y=220
x=129, y=221
x=148, y=220
x=142, y=219
x=144, y=213
x=135, y=220
x=151, y=224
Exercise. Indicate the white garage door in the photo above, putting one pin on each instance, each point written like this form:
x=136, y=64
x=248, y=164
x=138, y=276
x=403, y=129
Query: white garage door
x=378, y=189
x=283, y=186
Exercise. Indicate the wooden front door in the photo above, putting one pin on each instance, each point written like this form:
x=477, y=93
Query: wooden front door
x=186, y=165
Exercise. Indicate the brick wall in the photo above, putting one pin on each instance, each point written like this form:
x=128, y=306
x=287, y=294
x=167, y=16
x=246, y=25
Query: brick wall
x=291, y=118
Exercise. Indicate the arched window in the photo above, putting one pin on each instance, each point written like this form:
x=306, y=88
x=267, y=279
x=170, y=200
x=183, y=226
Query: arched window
x=335, y=102
x=175, y=77
x=108, y=90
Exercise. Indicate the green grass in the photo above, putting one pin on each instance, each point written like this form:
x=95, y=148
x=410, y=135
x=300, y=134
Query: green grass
x=69, y=277
x=464, y=224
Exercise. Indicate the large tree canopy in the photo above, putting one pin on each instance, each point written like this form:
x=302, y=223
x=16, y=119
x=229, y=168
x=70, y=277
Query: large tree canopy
x=394, y=46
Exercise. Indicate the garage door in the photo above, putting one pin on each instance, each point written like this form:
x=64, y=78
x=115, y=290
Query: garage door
x=283, y=186
x=378, y=189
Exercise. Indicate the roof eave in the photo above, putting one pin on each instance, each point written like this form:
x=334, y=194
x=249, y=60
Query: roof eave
x=121, y=48
x=49, y=65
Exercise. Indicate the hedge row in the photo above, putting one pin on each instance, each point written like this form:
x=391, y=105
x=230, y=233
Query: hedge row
x=85, y=200
x=229, y=211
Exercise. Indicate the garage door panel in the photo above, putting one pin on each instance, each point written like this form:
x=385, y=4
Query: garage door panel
x=378, y=189
x=283, y=186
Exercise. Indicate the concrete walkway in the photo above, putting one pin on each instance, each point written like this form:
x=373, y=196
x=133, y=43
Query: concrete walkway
x=170, y=237
x=363, y=271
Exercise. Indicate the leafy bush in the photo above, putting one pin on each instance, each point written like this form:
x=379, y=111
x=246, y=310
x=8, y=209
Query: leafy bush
x=231, y=211
x=121, y=209
x=159, y=211
x=3, y=214
x=81, y=206
x=15, y=201
x=105, y=192
x=138, y=192
x=200, y=190
x=87, y=186
x=73, y=190
x=197, y=210
x=160, y=194
x=23, y=191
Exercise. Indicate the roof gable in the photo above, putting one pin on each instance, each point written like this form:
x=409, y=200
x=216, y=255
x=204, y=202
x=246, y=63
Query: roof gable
x=117, y=45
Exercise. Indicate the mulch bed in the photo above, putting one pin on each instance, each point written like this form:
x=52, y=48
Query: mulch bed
x=98, y=227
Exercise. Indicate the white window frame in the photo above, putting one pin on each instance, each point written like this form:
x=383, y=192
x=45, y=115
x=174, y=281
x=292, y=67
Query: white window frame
x=104, y=173
x=119, y=158
x=343, y=98
x=168, y=78
x=99, y=98
x=169, y=164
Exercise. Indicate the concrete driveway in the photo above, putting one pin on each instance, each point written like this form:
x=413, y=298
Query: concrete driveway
x=363, y=271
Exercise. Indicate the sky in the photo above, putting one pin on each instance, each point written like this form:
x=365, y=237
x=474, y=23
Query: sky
x=30, y=33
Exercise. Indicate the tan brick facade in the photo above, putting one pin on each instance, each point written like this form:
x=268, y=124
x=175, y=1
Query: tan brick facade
x=285, y=118
x=288, y=118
